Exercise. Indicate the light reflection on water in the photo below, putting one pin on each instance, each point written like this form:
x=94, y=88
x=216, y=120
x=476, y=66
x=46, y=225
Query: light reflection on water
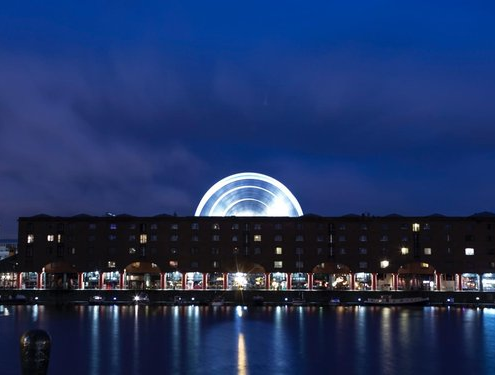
x=255, y=340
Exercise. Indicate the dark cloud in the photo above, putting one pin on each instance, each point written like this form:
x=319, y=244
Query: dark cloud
x=370, y=108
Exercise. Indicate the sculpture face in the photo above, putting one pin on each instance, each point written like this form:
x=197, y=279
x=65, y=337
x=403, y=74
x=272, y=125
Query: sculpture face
x=248, y=194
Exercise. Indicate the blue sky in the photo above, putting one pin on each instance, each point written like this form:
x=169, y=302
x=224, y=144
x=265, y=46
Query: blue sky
x=139, y=107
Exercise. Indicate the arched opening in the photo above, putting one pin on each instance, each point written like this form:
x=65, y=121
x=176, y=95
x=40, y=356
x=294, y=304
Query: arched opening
x=142, y=275
x=245, y=275
x=59, y=275
x=332, y=276
x=416, y=276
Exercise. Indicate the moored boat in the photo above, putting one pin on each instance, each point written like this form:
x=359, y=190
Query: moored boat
x=387, y=300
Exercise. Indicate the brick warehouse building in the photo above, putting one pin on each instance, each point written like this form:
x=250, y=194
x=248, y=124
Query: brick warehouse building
x=353, y=252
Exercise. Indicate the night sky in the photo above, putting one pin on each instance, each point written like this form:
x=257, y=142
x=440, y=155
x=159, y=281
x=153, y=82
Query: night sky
x=138, y=107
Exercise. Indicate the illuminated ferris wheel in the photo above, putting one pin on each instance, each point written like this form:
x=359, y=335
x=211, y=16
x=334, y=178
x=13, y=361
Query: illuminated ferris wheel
x=248, y=194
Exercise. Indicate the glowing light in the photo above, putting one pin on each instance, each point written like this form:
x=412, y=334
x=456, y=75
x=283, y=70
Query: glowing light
x=248, y=194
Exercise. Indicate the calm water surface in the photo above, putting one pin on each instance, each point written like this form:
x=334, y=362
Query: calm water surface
x=255, y=340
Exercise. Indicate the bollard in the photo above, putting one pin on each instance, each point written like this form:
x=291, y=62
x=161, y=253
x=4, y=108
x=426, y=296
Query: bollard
x=35, y=352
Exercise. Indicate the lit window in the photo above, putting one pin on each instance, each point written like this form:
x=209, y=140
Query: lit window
x=59, y=238
x=257, y=238
x=111, y=264
x=278, y=264
x=143, y=238
x=427, y=250
x=384, y=264
x=50, y=238
x=30, y=238
x=278, y=250
x=215, y=264
x=415, y=227
x=215, y=226
x=132, y=250
x=404, y=250
x=73, y=251
x=173, y=263
x=424, y=265
x=469, y=251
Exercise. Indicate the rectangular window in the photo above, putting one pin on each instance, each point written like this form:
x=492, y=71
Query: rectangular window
x=384, y=264
x=404, y=250
x=341, y=238
x=384, y=238
x=363, y=250
x=30, y=238
x=153, y=238
x=427, y=250
x=257, y=238
x=299, y=251
x=215, y=237
x=257, y=250
x=194, y=264
x=173, y=263
x=194, y=226
x=278, y=226
x=215, y=226
x=215, y=264
x=363, y=238
x=194, y=238
x=143, y=238
x=235, y=226
x=415, y=227
x=132, y=237
x=174, y=238
x=299, y=264
x=174, y=226
x=111, y=264
x=154, y=226
x=342, y=251
x=50, y=238
x=112, y=237
x=364, y=227
x=278, y=238
x=299, y=238
x=257, y=227
x=320, y=238
x=278, y=264
x=469, y=251
x=278, y=250
x=132, y=250
x=92, y=226
x=215, y=250
x=113, y=226
x=363, y=265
